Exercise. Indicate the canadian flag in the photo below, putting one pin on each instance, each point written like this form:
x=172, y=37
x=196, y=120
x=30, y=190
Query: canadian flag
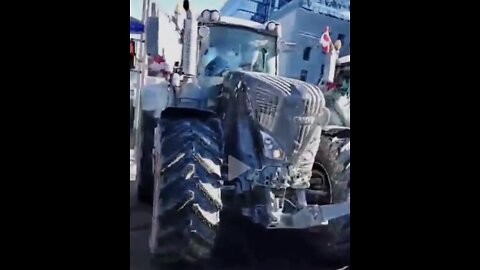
x=325, y=40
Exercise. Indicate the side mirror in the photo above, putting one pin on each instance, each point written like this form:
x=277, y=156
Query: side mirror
x=284, y=46
x=178, y=70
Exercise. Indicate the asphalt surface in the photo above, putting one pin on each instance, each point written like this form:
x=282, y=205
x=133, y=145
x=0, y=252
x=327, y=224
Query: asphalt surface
x=241, y=245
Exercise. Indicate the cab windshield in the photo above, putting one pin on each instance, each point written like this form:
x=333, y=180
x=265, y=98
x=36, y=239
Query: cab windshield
x=228, y=48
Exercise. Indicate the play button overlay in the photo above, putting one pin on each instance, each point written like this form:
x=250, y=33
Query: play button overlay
x=236, y=168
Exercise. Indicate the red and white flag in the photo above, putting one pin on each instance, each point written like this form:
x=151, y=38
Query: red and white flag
x=325, y=40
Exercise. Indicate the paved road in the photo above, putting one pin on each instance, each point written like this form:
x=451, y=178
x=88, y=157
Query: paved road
x=241, y=245
x=139, y=231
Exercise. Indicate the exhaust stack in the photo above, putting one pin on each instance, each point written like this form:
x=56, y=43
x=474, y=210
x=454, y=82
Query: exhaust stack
x=189, y=50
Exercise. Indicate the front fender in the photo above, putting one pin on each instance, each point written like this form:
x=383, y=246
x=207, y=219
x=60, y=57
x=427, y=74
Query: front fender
x=336, y=131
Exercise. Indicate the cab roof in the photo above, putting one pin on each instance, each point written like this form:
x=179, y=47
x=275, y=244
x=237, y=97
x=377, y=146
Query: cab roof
x=237, y=22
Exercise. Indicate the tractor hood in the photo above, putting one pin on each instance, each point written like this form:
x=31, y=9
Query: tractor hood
x=289, y=113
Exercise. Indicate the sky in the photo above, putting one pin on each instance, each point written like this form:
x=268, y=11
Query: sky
x=168, y=6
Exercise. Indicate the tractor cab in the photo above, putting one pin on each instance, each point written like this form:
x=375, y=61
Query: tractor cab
x=227, y=44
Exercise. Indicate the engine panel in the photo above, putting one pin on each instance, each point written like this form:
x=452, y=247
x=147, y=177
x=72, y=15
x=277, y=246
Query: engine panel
x=287, y=114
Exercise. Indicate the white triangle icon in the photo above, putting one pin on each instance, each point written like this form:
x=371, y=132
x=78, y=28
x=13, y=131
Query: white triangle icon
x=236, y=168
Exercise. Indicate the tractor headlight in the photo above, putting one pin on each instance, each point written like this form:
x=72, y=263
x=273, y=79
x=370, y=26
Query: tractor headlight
x=204, y=31
x=271, y=149
x=210, y=16
x=271, y=26
x=215, y=15
x=205, y=15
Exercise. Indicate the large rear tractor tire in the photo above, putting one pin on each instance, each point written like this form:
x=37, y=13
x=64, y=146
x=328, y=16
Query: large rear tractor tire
x=332, y=167
x=187, y=195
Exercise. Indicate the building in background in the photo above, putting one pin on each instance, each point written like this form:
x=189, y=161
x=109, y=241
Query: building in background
x=303, y=22
x=169, y=39
x=255, y=10
x=163, y=36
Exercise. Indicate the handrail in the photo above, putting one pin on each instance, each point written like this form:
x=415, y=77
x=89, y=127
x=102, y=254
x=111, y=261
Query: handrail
x=138, y=110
